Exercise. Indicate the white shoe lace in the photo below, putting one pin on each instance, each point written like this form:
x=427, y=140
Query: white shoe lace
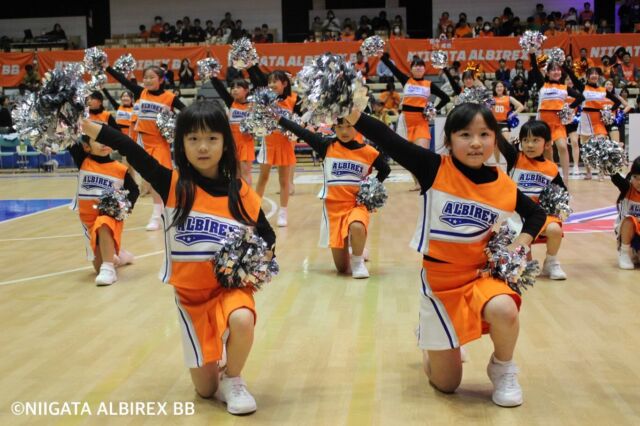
x=238, y=388
x=508, y=380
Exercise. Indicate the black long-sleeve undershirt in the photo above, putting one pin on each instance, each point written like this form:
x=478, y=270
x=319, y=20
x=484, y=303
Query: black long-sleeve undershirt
x=424, y=165
x=320, y=144
x=137, y=90
x=224, y=94
x=511, y=155
x=260, y=79
x=579, y=85
x=539, y=80
x=115, y=104
x=621, y=183
x=160, y=177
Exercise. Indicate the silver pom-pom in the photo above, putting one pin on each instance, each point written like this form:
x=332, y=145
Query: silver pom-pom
x=531, y=41
x=95, y=60
x=430, y=112
x=603, y=154
x=166, y=122
x=328, y=87
x=262, y=118
x=372, y=193
x=296, y=119
x=439, y=59
x=566, y=114
x=242, y=54
x=97, y=82
x=125, y=64
x=556, y=55
x=476, y=95
x=208, y=68
x=607, y=116
x=114, y=203
x=554, y=200
x=244, y=260
x=372, y=46
x=512, y=267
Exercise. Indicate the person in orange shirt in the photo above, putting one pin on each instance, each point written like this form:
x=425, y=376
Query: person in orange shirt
x=203, y=198
x=462, y=201
x=628, y=221
x=444, y=22
x=157, y=27
x=97, y=112
x=551, y=29
x=628, y=74
x=124, y=109
x=501, y=110
x=390, y=98
x=486, y=30
x=347, y=34
x=98, y=173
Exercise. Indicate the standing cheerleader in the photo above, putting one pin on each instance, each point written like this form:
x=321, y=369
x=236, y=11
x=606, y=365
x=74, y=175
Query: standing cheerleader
x=238, y=106
x=416, y=93
x=572, y=134
x=152, y=99
x=462, y=200
x=628, y=221
x=97, y=112
x=501, y=110
x=532, y=173
x=277, y=149
x=552, y=96
x=124, y=109
x=202, y=199
x=345, y=164
x=617, y=131
x=98, y=173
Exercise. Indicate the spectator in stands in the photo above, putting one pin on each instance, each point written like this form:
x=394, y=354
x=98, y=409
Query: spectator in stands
x=503, y=73
x=397, y=21
x=462, y=27
x=186, y=75
x=347, y=34
x=449, y=33
x=551, y=28
x=331, y=24
x=316, y=25
x=364, y=28
x=6, y=123
x=396, y=33
x=496, y=26
x=179, y=32
x=444, y=22
x=588, y=28
x=361, y=65
x=257, y=36
x=486, y=31
x=311, y=37
x=519, y=70
x=628, y=72
x=227, y=21
x=221, y=36
x=506, y=22
x=571, y=17
x=517, y=27
x=187, y=24
x=607, y=68
x=390, y=98
x=168, y=79
x=519, y=89
x=624, y=94
x=31, y=80
x=383, y=23
x=57, y=33
x=477, y=28
x=585, y=63
x=209, y=29
x=168, y=33
x=197, y=34
x=604, y=27
x=266, y=32
x=586, y=14
x=347, y=23
x=158, y=27
x=143, y=32
x=238, y=32
x=540, y=13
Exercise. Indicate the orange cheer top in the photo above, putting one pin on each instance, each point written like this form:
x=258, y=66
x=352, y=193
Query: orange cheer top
x=93, y=179
x=595, y=97
x=237, y=113
x=123, y=117
x=457, y=215
x=630, y=204
x=552, y=97
x=190, y=247
x=532, y=176
x=101, y=117
x=416, y=93
x=150, y=107
x=344, y=169
x=627, y=71
x=501, y=108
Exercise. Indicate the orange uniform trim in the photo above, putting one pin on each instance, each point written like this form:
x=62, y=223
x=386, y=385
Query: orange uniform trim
x=150, y=106
x=501, y=108
x=552, y=97
x=416, y=93
x=102, y=117
x=245, y=147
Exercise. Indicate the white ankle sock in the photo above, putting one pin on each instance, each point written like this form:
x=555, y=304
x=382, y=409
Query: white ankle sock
x=108, y=265
x=157, y=210
x=551, y=258
x=497, y=361
x=625, y=248
x=284, y=209
x=356, y=259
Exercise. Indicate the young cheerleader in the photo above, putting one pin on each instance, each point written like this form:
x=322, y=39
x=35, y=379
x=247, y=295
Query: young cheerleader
x=552, y=96
x=532, y=173
x=202, y=199
x=345, y=163
x=97, y=173
x=238, y=106
x=462, y=200
x=412, y=122
x=152, y=98
x=277, y=149
x=572, y=134
x=469, y=79
x=124, y=109
x=97, y=112
x=628, y=222
x=616, y=132
x=501, y=110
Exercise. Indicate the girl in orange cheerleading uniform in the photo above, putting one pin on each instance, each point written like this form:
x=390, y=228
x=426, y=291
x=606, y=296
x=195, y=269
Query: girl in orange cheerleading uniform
x=124, y=109
x=501, y=110
x=97, y=173
x=628, y=222
x=462, y=201
x=533, y=173
x=203, y=199
x=346, y=162
x=97, y=112
x=238, y=106
x=277, y=149
x=152, y=99
x=552, y=96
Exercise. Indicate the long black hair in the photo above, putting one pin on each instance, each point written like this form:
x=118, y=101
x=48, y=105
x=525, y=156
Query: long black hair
x=635, y=170
x=284, y=78
x=206, y=116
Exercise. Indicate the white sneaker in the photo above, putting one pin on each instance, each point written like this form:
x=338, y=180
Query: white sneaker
x=124, y=258
x=106, y=276
x=552, y=269
x=575, y=173
x=624, y=260
x=359, y=270
x=506, y=389
x=233, y=391
x=154, y=223
x=282, y=218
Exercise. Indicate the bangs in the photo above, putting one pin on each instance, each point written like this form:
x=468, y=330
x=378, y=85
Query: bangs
x=202, y=116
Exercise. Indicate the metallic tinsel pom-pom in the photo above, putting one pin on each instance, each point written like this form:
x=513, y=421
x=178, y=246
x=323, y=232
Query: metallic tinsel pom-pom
x=439, y=59
x=242, y=54
x=262, y=117
x=208, y=67
x=166, y=122
x=554, y=200
x=556, y=55
x=244, y=260
x=296, y=119
x=95, y=60
x=607, y=116
x=476, y=95
x=97, y=82
x=125, y=64
x=430, y=112
x=372, y=46
x=566, y=114
x=603, y=154
x=372, y=193
x=531, y=41
x=114, y=203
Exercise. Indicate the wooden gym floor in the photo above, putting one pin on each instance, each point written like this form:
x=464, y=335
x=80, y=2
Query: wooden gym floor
x=329, y=350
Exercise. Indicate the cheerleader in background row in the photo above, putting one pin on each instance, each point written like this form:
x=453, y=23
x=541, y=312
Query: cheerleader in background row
x=469, y=78
x=205, y=189
x=628, y=221
x=236, y=102
x=462, y=200
x=572, y=134
x=152, y=98
x=552, y=96
x=617, y=131
x=501, y=110
x=124, y=109
x=97, y=113
x=344, y=223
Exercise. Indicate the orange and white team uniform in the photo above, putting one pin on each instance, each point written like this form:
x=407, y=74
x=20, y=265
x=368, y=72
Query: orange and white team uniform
x=245, y=147
x=277, y=149
x=148, y=134
x=455, y=223
x=501, y=110
x=133, y=134
x=203, y=304
x=595, y=99
x=552, y=97
x=412, y=123
x=629, y=207
x=123, y=118
x=343, y=170
x=101, y=117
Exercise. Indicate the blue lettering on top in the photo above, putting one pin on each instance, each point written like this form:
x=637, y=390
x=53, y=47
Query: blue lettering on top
x=90, y=182
x=343, y=168
x=199, y=229
x=458, y=214
x=532, y=180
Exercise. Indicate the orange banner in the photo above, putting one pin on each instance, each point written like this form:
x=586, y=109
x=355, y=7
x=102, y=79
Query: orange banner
x=598, y=45
x=12, y=67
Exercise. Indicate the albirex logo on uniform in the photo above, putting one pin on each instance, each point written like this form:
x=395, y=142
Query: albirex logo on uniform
x=458, y=214
x=151, y=107
x=414, y=90
x=342, y=168
x=532, y=180
x=90, y=182
x=238, y=114
x=634, y=209
x=202, y=229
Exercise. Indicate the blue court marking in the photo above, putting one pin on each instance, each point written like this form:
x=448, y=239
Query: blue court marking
x=13, y=209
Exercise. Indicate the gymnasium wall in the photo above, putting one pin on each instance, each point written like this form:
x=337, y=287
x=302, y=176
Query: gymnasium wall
x=127, y=15
x=72, y=26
